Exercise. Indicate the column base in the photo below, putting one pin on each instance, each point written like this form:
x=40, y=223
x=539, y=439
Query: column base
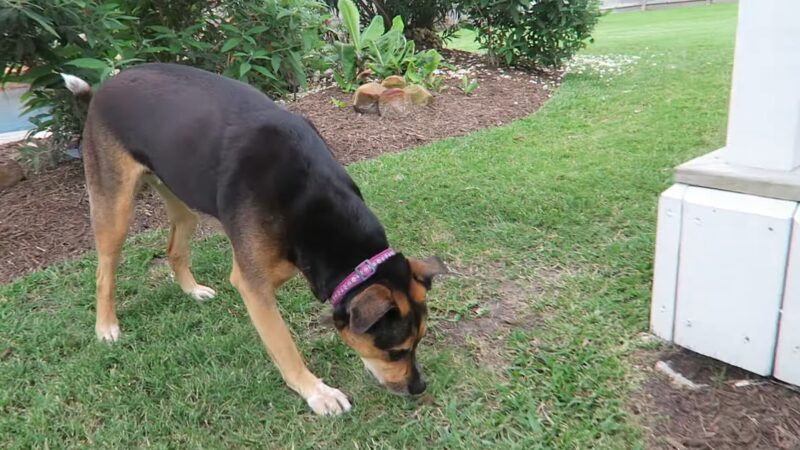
x=723, y=274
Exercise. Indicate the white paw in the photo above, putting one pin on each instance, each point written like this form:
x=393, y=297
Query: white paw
x=328, y=401
x=108, y=333
x=201, y=293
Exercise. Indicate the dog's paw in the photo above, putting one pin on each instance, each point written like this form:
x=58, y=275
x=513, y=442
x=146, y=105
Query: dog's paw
x=108, y=333
x=328, y=401
x=201, y=293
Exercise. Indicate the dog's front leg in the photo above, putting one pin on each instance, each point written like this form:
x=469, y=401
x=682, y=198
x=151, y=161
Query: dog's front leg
x=259, y=298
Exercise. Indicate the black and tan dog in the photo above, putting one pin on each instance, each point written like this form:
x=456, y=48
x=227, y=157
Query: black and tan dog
x=214, y=145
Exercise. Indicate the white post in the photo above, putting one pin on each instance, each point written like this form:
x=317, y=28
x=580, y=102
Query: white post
x=764, y=119
x=727, y=266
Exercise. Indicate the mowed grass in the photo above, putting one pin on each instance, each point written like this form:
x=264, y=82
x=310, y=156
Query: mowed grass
x=556, y=210
x=464, y=39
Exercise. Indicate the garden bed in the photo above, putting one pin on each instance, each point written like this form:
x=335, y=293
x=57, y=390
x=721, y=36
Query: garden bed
x=45, y=218
x=732, y=408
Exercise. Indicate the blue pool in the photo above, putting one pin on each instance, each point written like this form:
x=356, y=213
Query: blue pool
x=10, y=107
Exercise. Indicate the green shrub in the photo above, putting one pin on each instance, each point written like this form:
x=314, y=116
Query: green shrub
x=272, y=44
x=541, y=33
x=51, y=36
x=383, y=52
x=419, y=14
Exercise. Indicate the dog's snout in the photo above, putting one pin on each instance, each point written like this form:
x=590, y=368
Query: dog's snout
x=417, y=386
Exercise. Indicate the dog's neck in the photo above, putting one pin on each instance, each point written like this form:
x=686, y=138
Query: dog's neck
x=325, y=271
x=326, y=248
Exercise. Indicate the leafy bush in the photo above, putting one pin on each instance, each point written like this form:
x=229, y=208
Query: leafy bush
x=541, y=33
x=419, y=14
x=383, y=52
x=272, y=44
x=51, y=36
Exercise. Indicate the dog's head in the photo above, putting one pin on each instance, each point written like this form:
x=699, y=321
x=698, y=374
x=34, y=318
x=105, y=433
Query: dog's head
x=385, y=322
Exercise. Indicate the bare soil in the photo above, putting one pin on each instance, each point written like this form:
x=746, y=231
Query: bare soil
x=502, y=307
x=736, y=410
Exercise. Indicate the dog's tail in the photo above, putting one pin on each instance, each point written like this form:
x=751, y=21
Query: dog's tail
x=78, y=87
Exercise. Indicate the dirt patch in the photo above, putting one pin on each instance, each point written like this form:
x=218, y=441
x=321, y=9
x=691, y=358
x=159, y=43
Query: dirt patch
x=503, y=307
x=45, y=218
x=737, y=410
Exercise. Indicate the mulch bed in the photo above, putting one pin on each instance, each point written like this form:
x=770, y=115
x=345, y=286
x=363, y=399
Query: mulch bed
x=502, y=96
x=45, y=218
x=758, y=414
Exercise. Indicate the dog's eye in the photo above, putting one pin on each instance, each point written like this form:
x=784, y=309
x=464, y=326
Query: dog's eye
x=427, y=283
x=396, y=355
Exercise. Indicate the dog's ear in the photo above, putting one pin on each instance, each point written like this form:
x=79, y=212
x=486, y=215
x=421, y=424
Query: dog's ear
x=423, y=270
x=368, y=307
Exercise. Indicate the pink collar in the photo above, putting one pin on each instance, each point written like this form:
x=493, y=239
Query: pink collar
x=361, y=274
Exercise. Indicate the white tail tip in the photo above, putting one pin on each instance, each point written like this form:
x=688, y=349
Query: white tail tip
x=76, y=85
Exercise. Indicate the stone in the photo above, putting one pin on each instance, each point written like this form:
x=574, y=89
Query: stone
x=394, y=81
x=419, y=95
x=365, y=99
x=11, y=173
x=394, y=103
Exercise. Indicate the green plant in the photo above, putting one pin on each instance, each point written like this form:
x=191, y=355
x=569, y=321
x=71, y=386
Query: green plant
x=383, y=52
x=41, y=38
x=544, y=33
x=419, y=14
x=422, y=67
x=272, y=44
x=468, y=86
x=339, y=104
x=437, y=84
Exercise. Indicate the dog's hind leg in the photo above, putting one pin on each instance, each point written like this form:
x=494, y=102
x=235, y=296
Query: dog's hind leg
x=183, y=222
x=112, y=180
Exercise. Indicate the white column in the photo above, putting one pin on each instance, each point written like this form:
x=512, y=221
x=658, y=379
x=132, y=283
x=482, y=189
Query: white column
x=764, y=118
x=727, y=266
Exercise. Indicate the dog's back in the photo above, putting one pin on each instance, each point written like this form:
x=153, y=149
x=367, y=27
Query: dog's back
x=196, y=130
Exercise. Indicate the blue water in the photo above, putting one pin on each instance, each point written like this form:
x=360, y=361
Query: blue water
x=10, y=107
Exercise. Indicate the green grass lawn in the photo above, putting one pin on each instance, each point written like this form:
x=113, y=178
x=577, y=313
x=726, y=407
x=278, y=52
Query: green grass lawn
x=555, y=212
x=464, y=39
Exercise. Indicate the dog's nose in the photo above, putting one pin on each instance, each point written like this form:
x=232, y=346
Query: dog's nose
x=417, y=386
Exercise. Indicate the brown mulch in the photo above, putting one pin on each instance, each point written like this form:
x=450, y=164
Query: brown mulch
x=501, y=96
x=44, y=219
x=762, y=414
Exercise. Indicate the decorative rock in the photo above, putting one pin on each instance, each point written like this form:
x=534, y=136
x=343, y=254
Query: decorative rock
x=10, y=174
x=394, y=103
x=394, y=81
x=419, y=95
x=365, y=99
